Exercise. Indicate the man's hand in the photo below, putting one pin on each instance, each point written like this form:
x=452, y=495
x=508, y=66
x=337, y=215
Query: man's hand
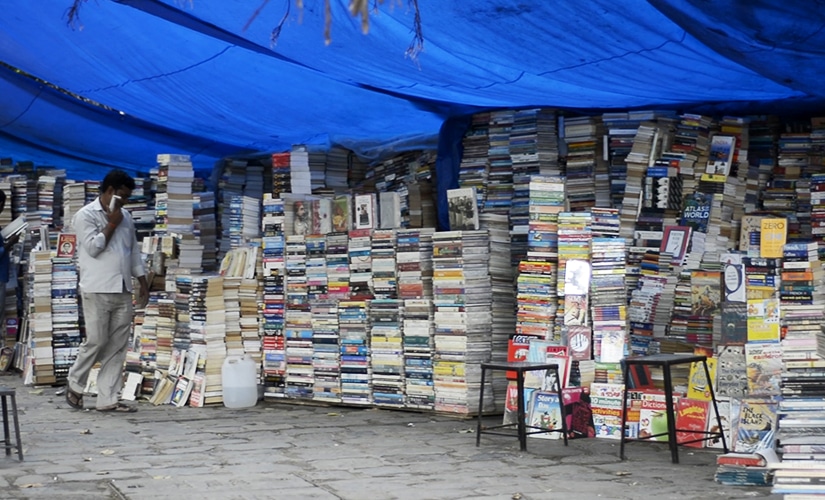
x=116, y=217
x=143, y=294
x=11, y=241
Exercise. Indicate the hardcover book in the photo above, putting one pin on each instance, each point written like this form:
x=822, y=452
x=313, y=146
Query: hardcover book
x=545, y=413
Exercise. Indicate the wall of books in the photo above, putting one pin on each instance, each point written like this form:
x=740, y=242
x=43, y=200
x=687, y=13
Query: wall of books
x=585, y=238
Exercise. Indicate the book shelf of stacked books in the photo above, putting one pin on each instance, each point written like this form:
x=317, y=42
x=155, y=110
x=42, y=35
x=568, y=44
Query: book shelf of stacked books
x=702, y=236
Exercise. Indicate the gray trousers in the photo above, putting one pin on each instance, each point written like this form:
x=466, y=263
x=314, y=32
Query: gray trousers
x=108, y=325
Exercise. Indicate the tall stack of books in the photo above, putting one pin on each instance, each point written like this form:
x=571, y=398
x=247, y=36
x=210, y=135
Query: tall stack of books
x=584, y=156
x=499, y=186
x=165, y=330
x=273, y=313
x=418, y=363
x=474, y=167
x=621, y=130
x=801, y=297
x=382, y=253
x=251, y=217
x=232, y=313
x=250, y=295
x=338, y=274
x=298, y=333
x=185, y=288
x=462, y=298
x=281, y=182
x=534, y=149
x=325, y=351
x=608, y=297
x=637, y=161
x=818, y=210
x=205, y=228
x=359, y=252
x=40, y=324
x=215, y=340
x=66, y=336
x=336, y=168
x=47, y=202
x=300, y=176
x=386, y=352
x=149, y=342
x=230, y=185
x=574, y=237
x=353, y=325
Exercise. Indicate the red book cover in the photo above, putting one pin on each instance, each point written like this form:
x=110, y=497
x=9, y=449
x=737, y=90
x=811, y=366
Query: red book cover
x=66, y=245
x=691, y=415
x=517, y=348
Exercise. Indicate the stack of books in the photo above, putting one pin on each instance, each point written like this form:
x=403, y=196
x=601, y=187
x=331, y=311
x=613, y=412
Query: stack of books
x=462, y=298
x=359, y=252
x=215, y=340
x=386, y=351
x=498, y=194
x=418, y=346
x=325, y=351
x=66, y=336
x=583, y=138
x=298, y=332
x=353, y=327
x=382, y=253
x=273, y=314
x=281, y=179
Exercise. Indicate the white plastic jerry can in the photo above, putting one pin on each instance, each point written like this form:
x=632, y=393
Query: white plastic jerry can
x=240, y=382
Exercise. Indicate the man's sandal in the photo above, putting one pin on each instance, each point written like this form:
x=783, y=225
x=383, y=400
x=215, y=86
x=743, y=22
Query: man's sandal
x=119, y=408
x=74, y=399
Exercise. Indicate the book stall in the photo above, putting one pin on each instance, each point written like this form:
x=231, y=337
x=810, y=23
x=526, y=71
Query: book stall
x=580, y=240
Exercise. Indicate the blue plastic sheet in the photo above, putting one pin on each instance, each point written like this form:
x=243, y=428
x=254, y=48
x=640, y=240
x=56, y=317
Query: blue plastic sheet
x=201, y=77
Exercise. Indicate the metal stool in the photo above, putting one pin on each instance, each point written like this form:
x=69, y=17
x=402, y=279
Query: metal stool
x=665, y=361
x=6, y=392
x=519, y=367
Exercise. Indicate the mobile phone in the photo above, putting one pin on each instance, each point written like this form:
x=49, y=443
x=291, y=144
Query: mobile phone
x=113, y=203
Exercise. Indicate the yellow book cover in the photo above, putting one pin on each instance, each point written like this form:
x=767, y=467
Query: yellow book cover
x=698, y=388
x=774, y=233
x=763, y=320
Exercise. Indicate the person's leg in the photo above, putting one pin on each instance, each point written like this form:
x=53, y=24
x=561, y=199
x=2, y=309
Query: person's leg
x=97, y=335
x=113, y=354
x=3, y=310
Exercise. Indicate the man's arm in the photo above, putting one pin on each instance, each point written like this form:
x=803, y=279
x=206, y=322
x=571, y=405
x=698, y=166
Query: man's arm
x=93, y=241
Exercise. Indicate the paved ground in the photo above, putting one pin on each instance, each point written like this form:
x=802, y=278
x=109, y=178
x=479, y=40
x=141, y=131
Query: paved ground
x=282, y=451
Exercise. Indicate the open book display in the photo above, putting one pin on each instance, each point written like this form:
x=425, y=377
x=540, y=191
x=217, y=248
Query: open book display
x=15, y=227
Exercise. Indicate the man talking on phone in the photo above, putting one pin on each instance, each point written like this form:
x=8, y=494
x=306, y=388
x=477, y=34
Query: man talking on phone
x=108, y=259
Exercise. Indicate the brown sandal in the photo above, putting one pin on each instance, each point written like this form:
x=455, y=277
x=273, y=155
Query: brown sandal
x=74, y=399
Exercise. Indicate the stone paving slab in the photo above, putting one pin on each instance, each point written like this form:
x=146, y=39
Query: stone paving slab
x=284, y=451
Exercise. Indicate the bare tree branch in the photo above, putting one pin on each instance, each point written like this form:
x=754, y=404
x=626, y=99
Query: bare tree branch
x=73, y=14
x=255, y=14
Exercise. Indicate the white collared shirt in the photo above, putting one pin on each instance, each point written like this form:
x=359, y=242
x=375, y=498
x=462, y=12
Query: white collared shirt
x=106, y=268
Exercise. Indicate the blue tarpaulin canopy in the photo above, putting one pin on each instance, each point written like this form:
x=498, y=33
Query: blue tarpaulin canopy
x=201, y=77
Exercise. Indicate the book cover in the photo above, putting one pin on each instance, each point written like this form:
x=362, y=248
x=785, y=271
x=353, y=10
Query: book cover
x=763, y=320
x=545, y=413
x=750, y=234
x=733, y=278
x=653, y=416
x=196, y=396
x=390, y=210
x=705, y=292
x=731, y=380
x=698, y=386
x=772, y=238
x=691, y=415
x=342, y=213
x=755, y=427
x=577, y=412
x=720, y=156
x=575, y=310
x=734, y=323
x=462, y=207
x=181, y=392
x=365, y=211
x=763, y=368
x=634, y=407
x=302, y=217
x=66, y=244
x=675, y=242
x=607, y=402
x=518, y=346
x=723, y=403
x=696, y=212
x=579, y=340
